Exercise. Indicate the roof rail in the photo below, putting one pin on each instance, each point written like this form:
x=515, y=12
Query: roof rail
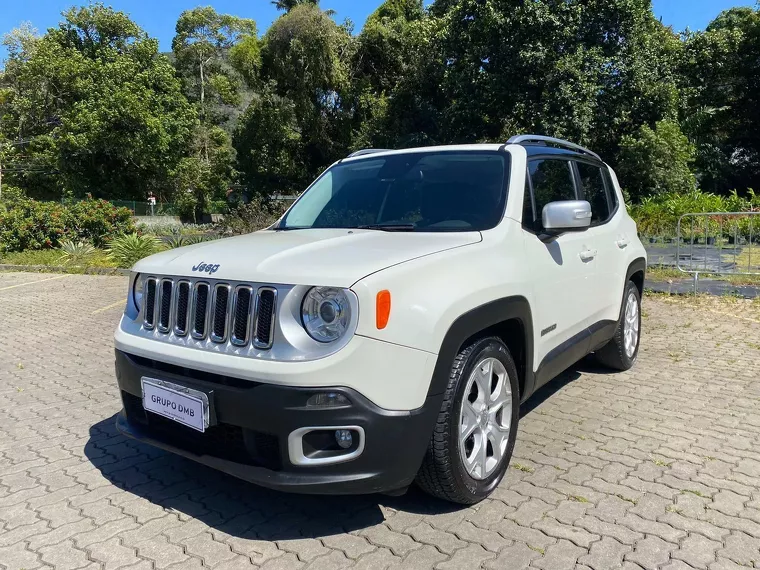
x=521, y=139
x=364, y=151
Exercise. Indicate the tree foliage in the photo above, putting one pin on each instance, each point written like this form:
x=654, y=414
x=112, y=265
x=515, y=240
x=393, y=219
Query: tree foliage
x=97, y=109
x=91, y=106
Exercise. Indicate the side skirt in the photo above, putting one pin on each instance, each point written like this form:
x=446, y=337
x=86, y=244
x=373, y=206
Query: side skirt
x=573, y=349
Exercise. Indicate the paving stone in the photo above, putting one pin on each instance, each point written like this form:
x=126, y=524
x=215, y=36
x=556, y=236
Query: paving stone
x=515, y=557
x=352, y=546
x=697, y=551
x=741, y=549
x=471, y=557
x=443, y=541
x=604, y=554
x=560, y=556
x=112, y=554
x=400, y=544
x=651, y=552
x=424, y=557
x=162, y=552
x=64, y=556
x=489, y=539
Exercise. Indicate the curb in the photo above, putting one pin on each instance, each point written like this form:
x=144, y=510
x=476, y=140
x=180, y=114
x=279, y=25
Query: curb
x=63, y=269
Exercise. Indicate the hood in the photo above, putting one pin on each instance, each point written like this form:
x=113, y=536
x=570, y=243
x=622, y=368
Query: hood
x=328, y=257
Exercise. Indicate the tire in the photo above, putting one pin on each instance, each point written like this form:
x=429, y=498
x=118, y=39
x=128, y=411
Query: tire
x=444, y=473
x=614, y=354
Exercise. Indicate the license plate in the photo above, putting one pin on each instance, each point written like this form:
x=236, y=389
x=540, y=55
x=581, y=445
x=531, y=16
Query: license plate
x=183, y=405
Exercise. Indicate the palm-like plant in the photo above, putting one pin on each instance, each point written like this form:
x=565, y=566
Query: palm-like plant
x=128, y=249
x=288, y=5
x=76, y=252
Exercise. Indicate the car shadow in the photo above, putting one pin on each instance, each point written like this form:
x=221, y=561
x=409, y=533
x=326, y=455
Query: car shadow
x=233, y=506
x=586, y=365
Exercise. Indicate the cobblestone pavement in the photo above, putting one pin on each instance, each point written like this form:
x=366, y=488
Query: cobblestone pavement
x=656, y=468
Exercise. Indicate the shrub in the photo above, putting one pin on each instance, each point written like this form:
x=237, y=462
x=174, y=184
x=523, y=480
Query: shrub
x=128, y=249
x=98, y=221
x=28, y=224
x=659, y=215
x=256, y=215
x=76, y=252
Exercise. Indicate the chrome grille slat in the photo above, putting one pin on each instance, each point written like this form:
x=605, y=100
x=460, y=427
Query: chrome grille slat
x=241, y=315
x=149, y=300
x=266, y=303
x=182, y=306
x=200, y=306
x=165, y=305
x=220, y=312
x=211, y=311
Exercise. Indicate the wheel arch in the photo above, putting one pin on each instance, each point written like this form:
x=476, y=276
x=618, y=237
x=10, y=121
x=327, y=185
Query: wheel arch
x=636, y=273
x=510, y=319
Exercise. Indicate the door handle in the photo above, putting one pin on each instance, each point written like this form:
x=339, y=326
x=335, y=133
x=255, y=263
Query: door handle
x=622, y=243
x=588, y=255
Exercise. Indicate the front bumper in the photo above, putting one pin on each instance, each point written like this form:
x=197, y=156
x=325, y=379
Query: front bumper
x=251, y=422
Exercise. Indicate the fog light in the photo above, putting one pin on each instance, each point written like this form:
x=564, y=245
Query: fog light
x=344, y=438
x=328, y=400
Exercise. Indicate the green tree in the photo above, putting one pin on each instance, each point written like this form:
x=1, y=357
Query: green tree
x=305, y=57
x=656, y=161
x=98, y=107
x=269, y=145
x=719, y=85
x=214, y=54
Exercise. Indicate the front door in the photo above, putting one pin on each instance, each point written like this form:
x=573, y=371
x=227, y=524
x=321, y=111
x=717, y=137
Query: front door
x=563, y=271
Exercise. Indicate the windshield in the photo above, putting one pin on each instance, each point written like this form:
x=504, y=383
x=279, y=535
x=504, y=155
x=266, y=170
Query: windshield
x=425, y=192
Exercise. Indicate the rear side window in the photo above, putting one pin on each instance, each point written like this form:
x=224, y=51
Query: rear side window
x=552, y=181
x=594, y=191
x=597, y=190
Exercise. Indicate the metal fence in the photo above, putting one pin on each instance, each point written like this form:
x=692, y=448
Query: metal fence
x=718, y=243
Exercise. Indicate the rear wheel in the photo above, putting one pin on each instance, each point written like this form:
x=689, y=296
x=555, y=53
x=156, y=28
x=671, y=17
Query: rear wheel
x=476, y=429
x=623, y=350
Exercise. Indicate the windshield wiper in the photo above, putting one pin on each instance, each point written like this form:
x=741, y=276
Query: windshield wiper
x=389, y=227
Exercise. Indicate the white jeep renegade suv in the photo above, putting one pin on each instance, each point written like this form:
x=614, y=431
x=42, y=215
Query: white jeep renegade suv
x=388, y=327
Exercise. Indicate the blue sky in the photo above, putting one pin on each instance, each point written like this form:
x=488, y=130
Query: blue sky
x=158, y=17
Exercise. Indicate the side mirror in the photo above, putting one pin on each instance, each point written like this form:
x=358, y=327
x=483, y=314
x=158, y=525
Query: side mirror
x=566, y=216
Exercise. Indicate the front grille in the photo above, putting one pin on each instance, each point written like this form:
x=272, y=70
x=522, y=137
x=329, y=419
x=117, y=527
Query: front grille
x=219, y=312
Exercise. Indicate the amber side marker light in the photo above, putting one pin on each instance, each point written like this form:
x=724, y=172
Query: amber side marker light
x=383, y=309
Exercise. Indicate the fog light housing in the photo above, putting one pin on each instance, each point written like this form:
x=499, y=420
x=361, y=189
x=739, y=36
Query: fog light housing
x=344, y=438
x=328, y=400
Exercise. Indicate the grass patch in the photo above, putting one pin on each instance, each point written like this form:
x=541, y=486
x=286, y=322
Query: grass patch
x=523, y=468
x=627, y=499
x=53, y=258
x=695, y=492
x=661, y=463
x=577, y=499
x=541, y=551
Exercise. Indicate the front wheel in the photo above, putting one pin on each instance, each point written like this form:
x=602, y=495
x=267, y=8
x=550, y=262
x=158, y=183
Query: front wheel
x=474, y=436
x=621, y=352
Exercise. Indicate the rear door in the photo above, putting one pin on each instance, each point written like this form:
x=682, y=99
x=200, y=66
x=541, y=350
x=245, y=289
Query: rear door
x=562, y=268
x=608, y=241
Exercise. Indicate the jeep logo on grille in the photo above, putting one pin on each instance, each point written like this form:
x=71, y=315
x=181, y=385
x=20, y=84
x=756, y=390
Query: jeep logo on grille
x=204, y=267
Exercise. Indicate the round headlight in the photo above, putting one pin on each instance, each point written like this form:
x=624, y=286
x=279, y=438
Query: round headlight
x=137, y=291
x=326, y=313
